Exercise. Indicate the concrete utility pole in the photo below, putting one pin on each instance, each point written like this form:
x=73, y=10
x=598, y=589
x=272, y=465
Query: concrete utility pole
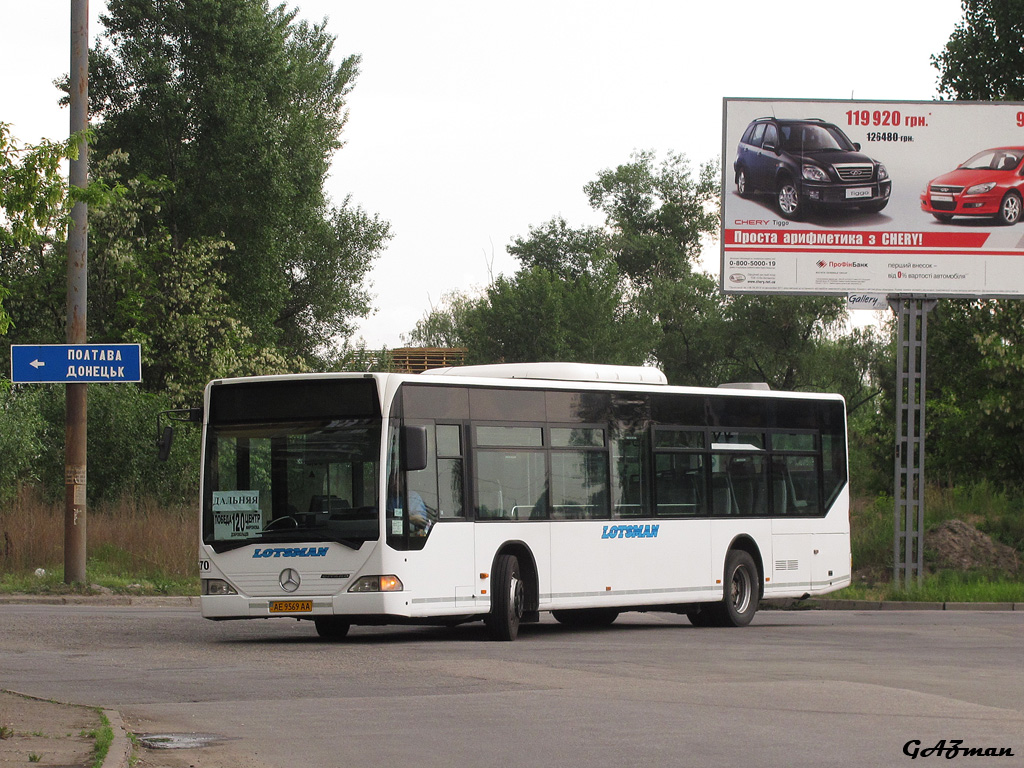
x=76, y=394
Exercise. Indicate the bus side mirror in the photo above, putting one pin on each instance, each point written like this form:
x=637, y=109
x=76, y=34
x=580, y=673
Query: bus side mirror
x=413, y=448
x=165, y=435
x=163, y=443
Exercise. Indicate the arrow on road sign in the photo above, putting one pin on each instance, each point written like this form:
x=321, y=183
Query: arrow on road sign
x=37, y=364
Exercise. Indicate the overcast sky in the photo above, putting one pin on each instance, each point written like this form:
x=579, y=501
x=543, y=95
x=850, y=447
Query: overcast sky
x=470, y=122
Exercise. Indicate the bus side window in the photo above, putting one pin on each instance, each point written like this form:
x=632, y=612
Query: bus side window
x=423, y=482
x=579, y=473
x=800, y=480
x=796, y=487
x=749, y=484
x=679, y=486
x=509, y=465
x=450, y=475
x=629, y=475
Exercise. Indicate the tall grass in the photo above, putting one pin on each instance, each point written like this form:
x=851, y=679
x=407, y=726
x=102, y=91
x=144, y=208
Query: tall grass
x=994, y=511
x=871, y=535
x=942, y=587
x=132, y=544
x=997, y=512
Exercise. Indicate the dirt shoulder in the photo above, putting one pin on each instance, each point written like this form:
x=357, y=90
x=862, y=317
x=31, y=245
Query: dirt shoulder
x=45, y=733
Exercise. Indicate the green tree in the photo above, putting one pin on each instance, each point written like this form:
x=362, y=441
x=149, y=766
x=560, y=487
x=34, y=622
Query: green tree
x=658, y=215
x=445, y=324
x=984, y=57
x=975, y=348
x=561, y=249
x=34, y=205
x=240, y=107
x=169, y=298
x=122, y=430
x=538, y=315
x=975, y=418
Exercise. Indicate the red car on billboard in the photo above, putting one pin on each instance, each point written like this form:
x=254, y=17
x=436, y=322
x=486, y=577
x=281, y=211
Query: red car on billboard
x=990, y=184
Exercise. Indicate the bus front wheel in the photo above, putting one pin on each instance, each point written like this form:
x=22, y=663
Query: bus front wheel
x=586, y=617
x=507, y=598
x=331, y=628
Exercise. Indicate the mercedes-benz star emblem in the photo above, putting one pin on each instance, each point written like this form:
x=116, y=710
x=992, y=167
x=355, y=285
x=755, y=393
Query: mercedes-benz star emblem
x=289, y=580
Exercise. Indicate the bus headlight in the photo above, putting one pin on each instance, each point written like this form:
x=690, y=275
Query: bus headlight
x=388, y=583
x=217, y=587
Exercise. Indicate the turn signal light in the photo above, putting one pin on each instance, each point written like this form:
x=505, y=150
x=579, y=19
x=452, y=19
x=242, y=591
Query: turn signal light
x=389, y=583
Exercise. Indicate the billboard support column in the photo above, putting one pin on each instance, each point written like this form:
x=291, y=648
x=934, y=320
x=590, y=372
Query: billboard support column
x=908, y=488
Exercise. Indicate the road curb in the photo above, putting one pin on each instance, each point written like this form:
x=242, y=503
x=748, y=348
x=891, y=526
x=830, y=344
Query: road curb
x=115, y=600
x=119, y=754
x=824, y=604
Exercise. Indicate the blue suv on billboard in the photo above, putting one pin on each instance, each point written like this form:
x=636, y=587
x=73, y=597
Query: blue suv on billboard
x=807, y=164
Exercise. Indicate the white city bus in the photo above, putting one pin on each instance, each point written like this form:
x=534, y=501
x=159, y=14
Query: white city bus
x=499, y=492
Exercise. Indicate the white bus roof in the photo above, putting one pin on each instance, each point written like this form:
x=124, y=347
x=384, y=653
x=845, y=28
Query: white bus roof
x=624, y=374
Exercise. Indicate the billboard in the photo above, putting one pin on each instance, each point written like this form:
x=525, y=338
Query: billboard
x=845, y=197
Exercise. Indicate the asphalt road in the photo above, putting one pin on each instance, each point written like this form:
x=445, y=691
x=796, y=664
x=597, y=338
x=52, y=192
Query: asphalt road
x=796, y=688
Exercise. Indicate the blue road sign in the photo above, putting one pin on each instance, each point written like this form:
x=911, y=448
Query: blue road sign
x=70, y=363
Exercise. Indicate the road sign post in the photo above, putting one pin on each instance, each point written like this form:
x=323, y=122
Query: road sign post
x=76, y=396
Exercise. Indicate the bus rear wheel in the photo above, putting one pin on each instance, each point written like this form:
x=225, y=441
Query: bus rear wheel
x=508, y=596
x=742, y=590
x=742, y=593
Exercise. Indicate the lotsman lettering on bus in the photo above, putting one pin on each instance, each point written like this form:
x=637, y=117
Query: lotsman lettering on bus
x=630, y=532
x=291, y=552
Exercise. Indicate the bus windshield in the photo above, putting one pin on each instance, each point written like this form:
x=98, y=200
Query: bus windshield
x=296, y=481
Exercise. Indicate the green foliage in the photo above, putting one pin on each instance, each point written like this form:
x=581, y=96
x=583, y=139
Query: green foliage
x=240, y=108
x=560, y=249
x=691, y=329
x=944, y=587
x=871, y=536
x=994, y=510
x=104, y=739
x=121, y=433
x=975, y=421
x=168, y=297
x=23, y=434
x=988, y=507
x=657, y=214
x=975, y=356
x=539, y=316
x=984, y=57
x=34, y=203
x=5, y=319
x=33, y=191
x=444, y=325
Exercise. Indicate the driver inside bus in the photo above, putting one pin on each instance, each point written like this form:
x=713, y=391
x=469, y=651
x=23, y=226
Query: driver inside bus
x=419, y=519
